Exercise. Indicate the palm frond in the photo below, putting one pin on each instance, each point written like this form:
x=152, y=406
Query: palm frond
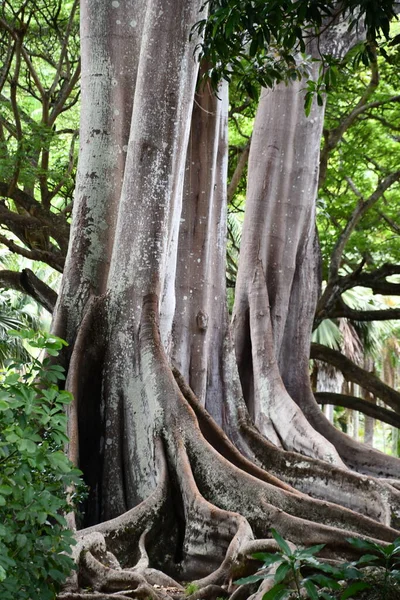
x=328, y=334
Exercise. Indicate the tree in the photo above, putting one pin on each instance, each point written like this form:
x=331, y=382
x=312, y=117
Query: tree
x=38, y=134
x=159, y=424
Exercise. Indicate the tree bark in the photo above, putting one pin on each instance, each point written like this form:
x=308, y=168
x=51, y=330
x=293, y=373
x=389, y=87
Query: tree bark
x=162, y=474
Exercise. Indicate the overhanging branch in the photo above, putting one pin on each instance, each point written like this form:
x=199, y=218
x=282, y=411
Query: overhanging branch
x=357, y=375
x=26, y=282
x=330, y=305
x=343, y=310
x=363, y=406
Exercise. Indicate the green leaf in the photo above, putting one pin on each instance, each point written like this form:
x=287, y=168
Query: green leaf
x=366, y=558
x=281, y=572
x=42, y=517
x=355, y=587
x=29, y=494
x=253, y=578
x=306, y=552
x=28, y=445
x=324, y=581
x=267, y=558
x=281, y=542
x=361, y=544
x=326, y=596
x=12, y=379
x=59, y=461
x=278, y=592
x=311, y=589
x=21, y=540
x=308, y=99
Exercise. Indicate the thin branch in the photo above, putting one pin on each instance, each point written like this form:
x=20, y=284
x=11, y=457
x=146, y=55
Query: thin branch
x=333, y=137
x=64, y=48
x=393, y=226
x=374, y=280
x=57, y=224
x=234, y=119
x=7, y=65
x=64, y=94
x=343, y=310
x=387, y=124
x=66, y=176
x=15, y=109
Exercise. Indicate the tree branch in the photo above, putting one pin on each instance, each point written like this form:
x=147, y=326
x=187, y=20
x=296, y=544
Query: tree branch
x=356, y=374
x=361, y=405
x=376, y=280
x=64, y=94
x=393, y=226
x=362, y=207
x=53, y=260
x=56, y=223
x=26, y=282
x=341, y=309
x=330, y=303
x=237, y=175
x=333, y=137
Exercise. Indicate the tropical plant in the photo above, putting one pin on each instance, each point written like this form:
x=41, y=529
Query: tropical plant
x=289, y=579
x=15, y=314
x=35, y=543
x=298, y=573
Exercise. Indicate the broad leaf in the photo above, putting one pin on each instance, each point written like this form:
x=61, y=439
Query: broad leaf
x=355, y=587
x=284, y=546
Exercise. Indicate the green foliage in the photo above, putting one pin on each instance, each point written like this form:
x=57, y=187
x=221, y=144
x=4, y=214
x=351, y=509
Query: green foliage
x=288, y=567
x=34, y=477
x=257, y=40
x=38, y=138
x=191, y=588
x=16, y=312
x=384, y=577
x=367, y=152
x=299, y=574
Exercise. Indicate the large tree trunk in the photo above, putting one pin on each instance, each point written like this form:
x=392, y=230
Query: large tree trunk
x=160, y=469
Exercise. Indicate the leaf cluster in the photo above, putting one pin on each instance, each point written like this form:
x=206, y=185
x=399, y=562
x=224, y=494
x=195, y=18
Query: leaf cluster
x=257, y=40
x=35, y=475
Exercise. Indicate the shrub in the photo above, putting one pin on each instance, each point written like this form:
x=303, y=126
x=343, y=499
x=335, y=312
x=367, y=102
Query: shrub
x=35, y=474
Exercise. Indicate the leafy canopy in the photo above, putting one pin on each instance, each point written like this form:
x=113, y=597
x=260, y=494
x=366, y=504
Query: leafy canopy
x=258, y=40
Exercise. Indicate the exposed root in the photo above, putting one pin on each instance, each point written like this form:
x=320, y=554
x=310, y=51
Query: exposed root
x=217, y=438
x=218, y=501
x=223, y=532
x=94, y=596
x=376, y=498
x=122, y=534
x=368, y=496
x=265, y=506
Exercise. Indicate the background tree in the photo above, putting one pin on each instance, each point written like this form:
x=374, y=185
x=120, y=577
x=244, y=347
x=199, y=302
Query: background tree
x=38, y=133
